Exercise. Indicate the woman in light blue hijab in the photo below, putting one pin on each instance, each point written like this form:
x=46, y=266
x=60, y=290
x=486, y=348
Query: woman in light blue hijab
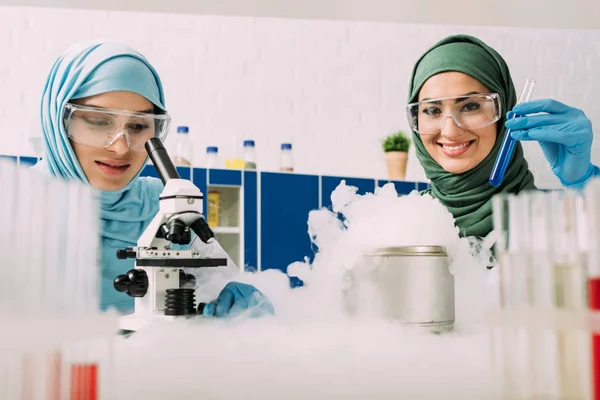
x=101, y=103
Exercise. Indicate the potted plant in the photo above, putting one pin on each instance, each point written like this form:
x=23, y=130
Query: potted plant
x=396, y=147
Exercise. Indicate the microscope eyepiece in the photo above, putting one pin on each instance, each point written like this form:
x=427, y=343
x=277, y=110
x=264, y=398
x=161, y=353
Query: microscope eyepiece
x=161, y=160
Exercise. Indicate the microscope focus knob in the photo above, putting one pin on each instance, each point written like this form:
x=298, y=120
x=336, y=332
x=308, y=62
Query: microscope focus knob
x=123, y=254
x=134, y=283
x=186, y=280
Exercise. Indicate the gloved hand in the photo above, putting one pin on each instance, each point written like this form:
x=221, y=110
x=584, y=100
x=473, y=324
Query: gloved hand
x=564, y=133
x=236, y=298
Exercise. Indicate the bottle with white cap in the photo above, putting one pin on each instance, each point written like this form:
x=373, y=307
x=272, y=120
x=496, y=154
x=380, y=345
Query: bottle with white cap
x=212, y=157
x=286, y=161
x=183, y=147
x=249, y=155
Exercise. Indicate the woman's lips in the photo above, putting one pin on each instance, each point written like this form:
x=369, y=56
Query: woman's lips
x=113, y=168
x=455, y=149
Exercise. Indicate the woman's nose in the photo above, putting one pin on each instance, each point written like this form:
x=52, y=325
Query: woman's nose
x=451, y=129
x=119, y=146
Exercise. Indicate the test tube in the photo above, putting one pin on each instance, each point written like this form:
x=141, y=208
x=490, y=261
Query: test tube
x=511, y=221
x=517, y=340
x=508, y=143
x=8, y=200
x=570, y=284
x=510, y=342
x=544, y=354
x=541, y=275
x=592, y=196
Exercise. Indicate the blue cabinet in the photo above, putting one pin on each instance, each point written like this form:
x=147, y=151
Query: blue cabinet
x=224, y=177
x=285, y=201
x=403, y=187
x=250, y=220
x=9, y=158
x=330, y=183
x=22, y=161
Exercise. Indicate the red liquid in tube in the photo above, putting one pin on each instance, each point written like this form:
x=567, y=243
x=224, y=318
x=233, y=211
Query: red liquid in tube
x=594, y=304
x=84, y=385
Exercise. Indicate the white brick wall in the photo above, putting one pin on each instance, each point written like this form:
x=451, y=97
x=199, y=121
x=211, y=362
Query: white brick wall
x=333, y=88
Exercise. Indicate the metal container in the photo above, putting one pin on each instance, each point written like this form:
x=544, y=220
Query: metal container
x=410, y=284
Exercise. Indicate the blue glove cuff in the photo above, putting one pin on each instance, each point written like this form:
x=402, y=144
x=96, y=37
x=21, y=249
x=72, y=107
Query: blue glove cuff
x=592, y=172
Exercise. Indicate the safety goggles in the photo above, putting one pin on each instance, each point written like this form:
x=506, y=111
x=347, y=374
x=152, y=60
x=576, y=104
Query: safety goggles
x=101, y=128
x=469, y=112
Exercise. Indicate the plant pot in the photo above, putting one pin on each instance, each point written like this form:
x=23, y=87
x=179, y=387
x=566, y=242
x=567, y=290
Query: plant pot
x=396, y=164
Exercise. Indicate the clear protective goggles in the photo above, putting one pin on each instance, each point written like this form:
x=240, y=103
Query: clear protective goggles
x=469, y=112
x=101, y=127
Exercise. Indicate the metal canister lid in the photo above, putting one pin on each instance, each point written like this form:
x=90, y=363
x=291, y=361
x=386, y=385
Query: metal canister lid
x=403, y=251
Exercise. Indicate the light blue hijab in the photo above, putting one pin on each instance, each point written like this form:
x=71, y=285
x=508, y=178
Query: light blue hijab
x=84, y=70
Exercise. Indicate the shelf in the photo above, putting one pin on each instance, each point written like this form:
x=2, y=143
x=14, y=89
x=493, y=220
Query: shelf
x=231, y=230
x=224, y=177
x=224, y=213
x=229, y=201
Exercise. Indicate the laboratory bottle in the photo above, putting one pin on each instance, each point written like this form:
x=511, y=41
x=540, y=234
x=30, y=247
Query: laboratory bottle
x=212, y=157
x=182, y=147
x=286, y=161
x=249, y=155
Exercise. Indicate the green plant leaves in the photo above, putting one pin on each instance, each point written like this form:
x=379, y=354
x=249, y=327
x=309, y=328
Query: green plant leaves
x=396, y=142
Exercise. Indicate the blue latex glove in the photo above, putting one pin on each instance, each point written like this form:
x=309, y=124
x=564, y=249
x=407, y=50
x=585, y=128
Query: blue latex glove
x=236, y=298
x=564, y=133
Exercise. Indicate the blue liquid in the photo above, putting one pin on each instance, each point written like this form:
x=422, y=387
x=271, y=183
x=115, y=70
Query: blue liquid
x=504, y=155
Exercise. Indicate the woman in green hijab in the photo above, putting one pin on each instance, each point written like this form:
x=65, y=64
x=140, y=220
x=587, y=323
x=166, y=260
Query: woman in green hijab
x=459, y=93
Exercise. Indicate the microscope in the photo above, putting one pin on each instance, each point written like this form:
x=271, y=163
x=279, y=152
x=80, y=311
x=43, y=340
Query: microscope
x=160, y=287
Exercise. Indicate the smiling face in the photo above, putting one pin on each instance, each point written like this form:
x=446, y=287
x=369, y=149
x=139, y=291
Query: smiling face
x=456, y=150
x=113, y=167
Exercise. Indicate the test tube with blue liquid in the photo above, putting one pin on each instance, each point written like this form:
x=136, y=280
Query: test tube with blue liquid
x=508, y=143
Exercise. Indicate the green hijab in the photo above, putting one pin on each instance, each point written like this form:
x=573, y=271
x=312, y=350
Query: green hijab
x=468, y=195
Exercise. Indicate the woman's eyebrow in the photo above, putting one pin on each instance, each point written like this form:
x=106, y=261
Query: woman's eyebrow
x=457, y=100
x=466, y=94
x=146, y=111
